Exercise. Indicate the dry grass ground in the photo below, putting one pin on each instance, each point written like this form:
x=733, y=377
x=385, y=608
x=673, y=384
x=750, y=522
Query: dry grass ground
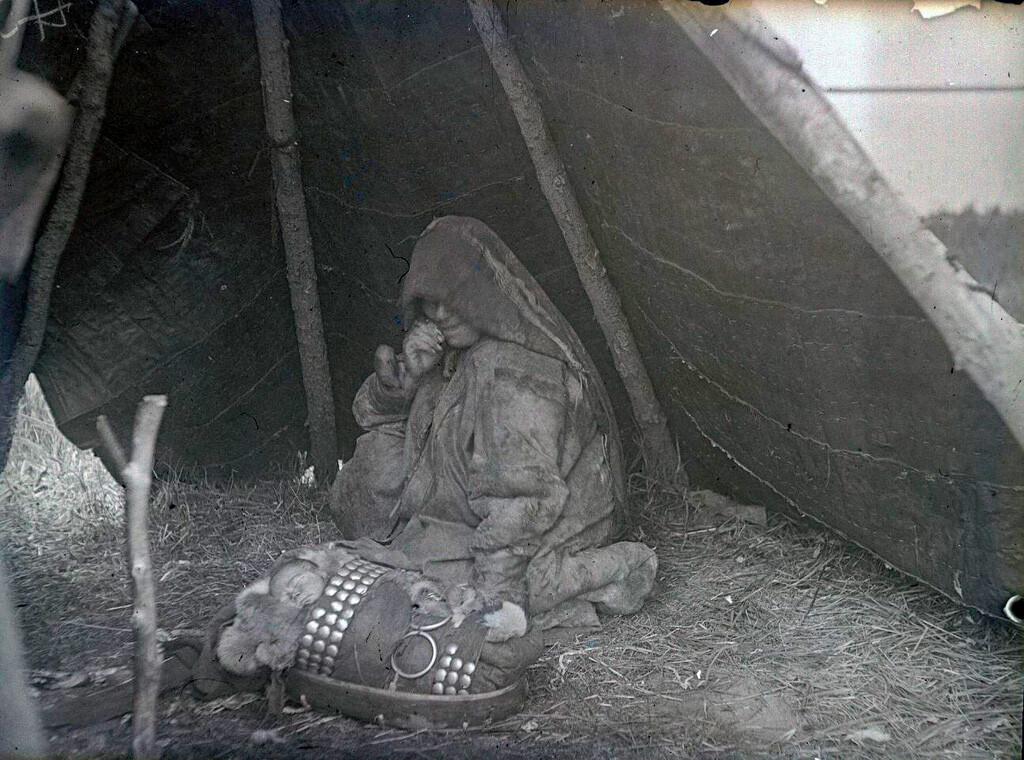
x=760, y=641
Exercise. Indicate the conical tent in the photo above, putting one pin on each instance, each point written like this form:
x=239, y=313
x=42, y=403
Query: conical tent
x=795, y=369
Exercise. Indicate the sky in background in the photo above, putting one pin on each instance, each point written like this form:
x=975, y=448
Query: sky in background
x=949, y=132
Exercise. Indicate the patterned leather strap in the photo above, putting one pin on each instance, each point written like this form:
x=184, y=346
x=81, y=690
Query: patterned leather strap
x=319, y=647
x=438, y=658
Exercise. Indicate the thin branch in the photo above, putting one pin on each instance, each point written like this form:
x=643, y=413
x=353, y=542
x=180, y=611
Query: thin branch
x=125, y=24
x=110, y=452
x=138, y=475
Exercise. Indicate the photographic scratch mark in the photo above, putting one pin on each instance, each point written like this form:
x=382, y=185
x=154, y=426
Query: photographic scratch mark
x=400, y=258
x=828, y=448
x=246, y=414
x=341, y=201
x=749, y=298
x=409, y=77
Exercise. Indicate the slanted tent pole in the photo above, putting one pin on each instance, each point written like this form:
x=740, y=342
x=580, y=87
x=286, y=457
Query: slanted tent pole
x=985, y=341
x=91, y=88
x=110, y=453
x=659, y=448
x=298, y=244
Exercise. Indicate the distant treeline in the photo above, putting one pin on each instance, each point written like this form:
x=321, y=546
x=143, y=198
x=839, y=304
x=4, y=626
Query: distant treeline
x=990, y=246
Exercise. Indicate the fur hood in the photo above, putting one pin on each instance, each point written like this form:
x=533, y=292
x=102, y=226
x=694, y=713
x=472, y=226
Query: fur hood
x=461, y=262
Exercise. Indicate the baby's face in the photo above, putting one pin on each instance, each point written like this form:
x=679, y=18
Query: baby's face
x=457, y=332
x=297, y=582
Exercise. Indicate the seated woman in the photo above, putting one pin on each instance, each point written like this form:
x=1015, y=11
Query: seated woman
x=486, y=486
x=494, y=429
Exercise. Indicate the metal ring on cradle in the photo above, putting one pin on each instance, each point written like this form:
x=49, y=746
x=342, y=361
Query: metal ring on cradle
x=433, y=656
x=1014, y=609
x=434, y=626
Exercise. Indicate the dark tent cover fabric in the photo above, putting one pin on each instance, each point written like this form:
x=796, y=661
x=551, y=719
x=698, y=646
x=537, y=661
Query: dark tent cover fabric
x=795, y=370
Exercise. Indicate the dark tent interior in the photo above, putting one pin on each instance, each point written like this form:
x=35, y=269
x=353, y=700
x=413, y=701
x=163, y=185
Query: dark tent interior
x=795, y=370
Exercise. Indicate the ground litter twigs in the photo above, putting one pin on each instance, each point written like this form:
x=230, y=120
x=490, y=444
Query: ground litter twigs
x=766, y=73
x=94, y=81
x=659, y=447
x=298, y=244
x=137, y=476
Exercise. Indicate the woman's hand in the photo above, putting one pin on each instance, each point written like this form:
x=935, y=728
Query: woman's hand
x=390, y=369
x=422, y=348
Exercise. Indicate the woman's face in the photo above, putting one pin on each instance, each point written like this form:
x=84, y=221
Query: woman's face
x=457, y=333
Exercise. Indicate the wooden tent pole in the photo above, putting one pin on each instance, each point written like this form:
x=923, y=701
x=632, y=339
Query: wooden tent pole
x=91, y=87
x=298, y=244
x=659, y=447
x=138, y=477
x=767, y=74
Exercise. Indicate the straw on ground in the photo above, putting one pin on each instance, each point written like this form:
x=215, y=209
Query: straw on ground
x=759, y=640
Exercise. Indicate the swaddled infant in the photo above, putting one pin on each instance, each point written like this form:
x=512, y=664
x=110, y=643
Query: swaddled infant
x=271, y=613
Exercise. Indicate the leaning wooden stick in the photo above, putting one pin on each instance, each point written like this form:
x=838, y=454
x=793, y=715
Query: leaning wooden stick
x=138, y=476
x=94, y=78
x=985, y=341
x=659, y=448
x=298, y=243
x=124, y=26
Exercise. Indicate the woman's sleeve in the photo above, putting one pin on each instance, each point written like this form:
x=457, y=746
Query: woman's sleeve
x=515, y=486
x=375, y=405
